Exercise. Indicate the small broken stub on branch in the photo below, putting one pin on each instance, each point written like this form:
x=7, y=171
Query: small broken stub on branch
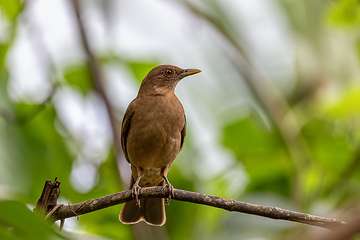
x=49, y=197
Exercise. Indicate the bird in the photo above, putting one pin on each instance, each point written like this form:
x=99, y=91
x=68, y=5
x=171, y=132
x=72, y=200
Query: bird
x=152, y=135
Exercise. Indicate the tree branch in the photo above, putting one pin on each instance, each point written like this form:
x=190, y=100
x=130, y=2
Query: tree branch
x=186, y=196
x=99, y=82
x=49, y=196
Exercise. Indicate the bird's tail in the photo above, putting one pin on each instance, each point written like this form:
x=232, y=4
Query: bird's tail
x=151, y=210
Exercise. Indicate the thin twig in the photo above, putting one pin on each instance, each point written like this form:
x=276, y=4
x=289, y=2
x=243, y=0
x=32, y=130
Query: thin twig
x=186, y=196
x=98, y=78
x=62, y=222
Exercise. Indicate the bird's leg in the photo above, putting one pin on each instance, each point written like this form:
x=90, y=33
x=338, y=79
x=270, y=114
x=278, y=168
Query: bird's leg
x=171, y=190
x=136, y=190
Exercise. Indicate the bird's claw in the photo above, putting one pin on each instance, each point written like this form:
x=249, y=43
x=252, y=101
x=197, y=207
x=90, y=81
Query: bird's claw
x=171, y=192
x=135, y=192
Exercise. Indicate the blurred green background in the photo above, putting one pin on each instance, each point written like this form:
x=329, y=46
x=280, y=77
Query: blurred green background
x=273, y=119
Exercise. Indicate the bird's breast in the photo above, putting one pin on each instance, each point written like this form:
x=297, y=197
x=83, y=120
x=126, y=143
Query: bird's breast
x=154, y=137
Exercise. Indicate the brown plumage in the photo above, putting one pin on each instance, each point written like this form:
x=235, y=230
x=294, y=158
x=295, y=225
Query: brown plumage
x=152, y=135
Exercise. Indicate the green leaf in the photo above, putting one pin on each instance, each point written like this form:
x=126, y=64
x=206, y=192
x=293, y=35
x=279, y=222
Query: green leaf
x=18, y=222
x=262, y=154
x=79, y=77
x=346, y=115
x=327, y=147
x=348, y=105
x=330, y=150
x=3, y=50
x=11, y=9
x=24, y=112
x=141, y=69
x=4, y=75
x=106, y=223
x=345, y=13
x=35, y=151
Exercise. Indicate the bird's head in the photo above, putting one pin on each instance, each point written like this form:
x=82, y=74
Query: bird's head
x=163, y=79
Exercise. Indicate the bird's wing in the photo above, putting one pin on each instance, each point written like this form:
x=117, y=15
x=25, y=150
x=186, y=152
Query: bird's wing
x=183, y=134
x=125, y=128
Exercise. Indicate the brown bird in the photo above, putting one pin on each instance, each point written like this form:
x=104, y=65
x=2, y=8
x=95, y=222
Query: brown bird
x=152, y=135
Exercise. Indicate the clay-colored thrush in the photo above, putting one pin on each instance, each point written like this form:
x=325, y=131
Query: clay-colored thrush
x=152, y=135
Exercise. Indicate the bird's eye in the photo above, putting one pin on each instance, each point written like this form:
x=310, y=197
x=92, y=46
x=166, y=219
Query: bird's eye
x=168, y=72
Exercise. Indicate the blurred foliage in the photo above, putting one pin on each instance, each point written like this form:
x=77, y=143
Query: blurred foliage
x=35, y=144
x=345, y=13
x=141, y=69
x=251, y=143
x=79, y=77
x=11, y=9
x=29, y=226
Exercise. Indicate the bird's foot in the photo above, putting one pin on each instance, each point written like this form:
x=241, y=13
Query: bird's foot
x=136, y=191
x=171, y=190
